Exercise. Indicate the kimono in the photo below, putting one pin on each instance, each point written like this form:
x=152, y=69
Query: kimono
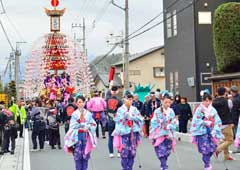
x=127, y=135
x=206, y=132
x=237, y=140
x=81, y=138
x=162, y=132
x=97, y=106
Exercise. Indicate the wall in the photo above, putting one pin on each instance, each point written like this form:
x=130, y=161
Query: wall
x=145, y=65
x=180, y=50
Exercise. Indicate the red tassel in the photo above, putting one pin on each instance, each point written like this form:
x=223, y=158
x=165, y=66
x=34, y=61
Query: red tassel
x=111, y=73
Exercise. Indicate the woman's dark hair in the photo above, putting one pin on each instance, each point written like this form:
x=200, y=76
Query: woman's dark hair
x=130, y=96
x=80, y=97
x=184, y=98
x=206, y=96
x=179, y=98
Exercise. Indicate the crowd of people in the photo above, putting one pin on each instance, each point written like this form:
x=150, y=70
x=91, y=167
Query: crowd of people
x=214, y=124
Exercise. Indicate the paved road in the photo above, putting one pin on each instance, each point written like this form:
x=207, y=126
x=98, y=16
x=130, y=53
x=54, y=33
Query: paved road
x=185, y=158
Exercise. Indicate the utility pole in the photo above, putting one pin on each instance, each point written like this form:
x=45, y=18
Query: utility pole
x=10, y=65
x=83, y=39
x=126, y=43
x=17, y=66
x=117, y=40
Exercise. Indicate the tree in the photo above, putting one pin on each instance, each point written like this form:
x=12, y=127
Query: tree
x=1, y=87
x=227, y=37
x=12, y=92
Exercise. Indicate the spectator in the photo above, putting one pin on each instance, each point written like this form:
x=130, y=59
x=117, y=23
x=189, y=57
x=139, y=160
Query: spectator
x=146, y=115
x=19, y=114
x=137, y=103
x=221, y=104
x=153, y=104
x=39, y=127
x=97, y=105
x=2, y=123
x=113, y=103
x=235, y=111
x=185, y=113
x=177, y=100
x=67, y=113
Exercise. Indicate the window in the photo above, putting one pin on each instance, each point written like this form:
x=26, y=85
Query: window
x=174, y=23
x=171, y=83
x=169, y=25
x=158, y=72
x=204, y=18
x=176, y=83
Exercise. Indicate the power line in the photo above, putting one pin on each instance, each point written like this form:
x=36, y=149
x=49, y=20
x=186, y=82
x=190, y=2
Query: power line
x=161, y=22
x=15, y=28
x=99, y=15
x=154, y=18
x=86, y=7
x=81, y=8
x=130, y=38
x=11, y=23
x=6, y=35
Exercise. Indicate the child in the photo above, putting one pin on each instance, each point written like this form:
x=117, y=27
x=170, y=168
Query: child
x=163, y=127
x=81, y=138
x=129, y=123
x=206, y=129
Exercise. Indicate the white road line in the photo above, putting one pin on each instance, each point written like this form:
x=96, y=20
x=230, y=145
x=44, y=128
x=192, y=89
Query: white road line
x=26, y=161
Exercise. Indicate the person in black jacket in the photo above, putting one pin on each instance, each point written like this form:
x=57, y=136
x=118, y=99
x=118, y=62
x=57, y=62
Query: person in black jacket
x=53, y=121
x=9, y=133
x=235, y=111
x=177, y=100
x=67, y=112
x=39, y=127
x=222, y=105
x=185, y=113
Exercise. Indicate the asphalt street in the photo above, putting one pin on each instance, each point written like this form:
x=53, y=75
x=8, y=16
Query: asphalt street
x=186, y=157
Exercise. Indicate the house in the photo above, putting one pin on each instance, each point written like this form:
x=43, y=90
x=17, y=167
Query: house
x=100, y=69
x=189, y=53
x=145, y=68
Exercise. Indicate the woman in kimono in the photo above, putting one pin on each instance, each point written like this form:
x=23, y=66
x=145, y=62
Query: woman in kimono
x=206, y=129
x=81, y=138
x=126, y=134
x=162, y=131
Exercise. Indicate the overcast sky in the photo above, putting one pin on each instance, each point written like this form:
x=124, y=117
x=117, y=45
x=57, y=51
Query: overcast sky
x=30, y=21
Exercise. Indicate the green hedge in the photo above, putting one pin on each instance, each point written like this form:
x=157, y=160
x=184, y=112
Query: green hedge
x=227, y=37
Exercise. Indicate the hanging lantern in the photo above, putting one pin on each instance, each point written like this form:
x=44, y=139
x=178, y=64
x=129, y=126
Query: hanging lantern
x=54, y=3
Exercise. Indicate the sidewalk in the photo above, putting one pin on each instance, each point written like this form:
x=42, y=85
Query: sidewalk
x=20, y=160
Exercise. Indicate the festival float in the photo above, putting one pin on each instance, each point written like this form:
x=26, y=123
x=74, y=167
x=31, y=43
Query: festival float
x=57, y=67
